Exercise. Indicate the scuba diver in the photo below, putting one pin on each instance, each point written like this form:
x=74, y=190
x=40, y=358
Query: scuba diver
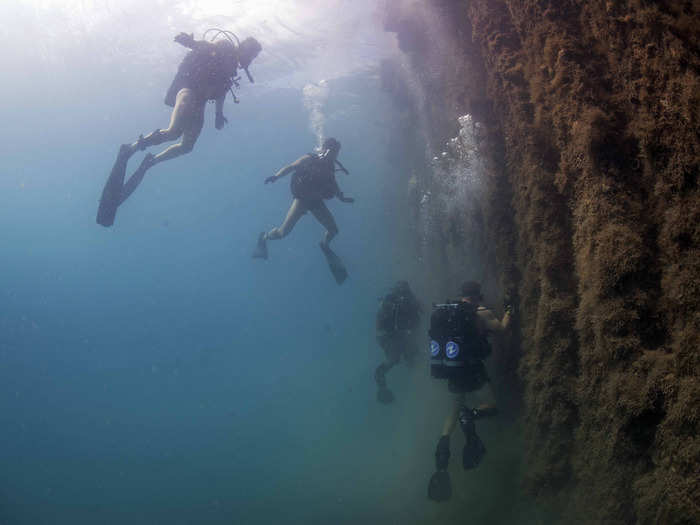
x=458, y=345
x=398, y=315
x=207, y=73
x=312, y=182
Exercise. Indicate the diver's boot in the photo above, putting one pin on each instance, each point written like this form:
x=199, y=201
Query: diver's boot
x=260, y=251
x=384, y=395
x=440, y=487
x=483, y=411
x=325, y=242
x=152, y=139
x=141, y=143
x=474, y=449
x=125, y=150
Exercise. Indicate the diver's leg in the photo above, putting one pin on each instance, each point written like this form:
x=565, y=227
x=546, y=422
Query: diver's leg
x=188, y=117
x=451, y=421
x=442, y=451
x=296, y=210
x=409, y=349
x=193, y=121
x=474, y=449
x=392, y=353
x=174, y=129
x=325, y=217
x=486, y=402
x=440, y=487
x=391, y=362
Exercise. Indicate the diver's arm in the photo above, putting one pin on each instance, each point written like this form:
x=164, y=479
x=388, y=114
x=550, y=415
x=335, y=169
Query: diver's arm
x=288, y=168
x=381, y=321
x=379, y=325
x=188, y=41
x=492, y=323
x=342, y=168
x=220, y=120
x=341, y=196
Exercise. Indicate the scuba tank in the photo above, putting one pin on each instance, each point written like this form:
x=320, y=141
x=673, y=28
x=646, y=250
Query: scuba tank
x=204, y=64
x=315, y=180
x=456, y=340
x=397, y=313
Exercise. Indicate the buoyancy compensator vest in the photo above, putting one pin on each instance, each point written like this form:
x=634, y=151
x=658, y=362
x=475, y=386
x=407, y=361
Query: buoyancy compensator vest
x=210, y=68
x=315, y=179
x=397, y=313
x=456, y=338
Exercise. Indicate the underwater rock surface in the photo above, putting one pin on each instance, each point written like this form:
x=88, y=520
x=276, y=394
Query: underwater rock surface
x=586, y=212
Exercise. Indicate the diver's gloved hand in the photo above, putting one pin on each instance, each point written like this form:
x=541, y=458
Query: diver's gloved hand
x=185, y=40
x=272, y=178
x=509, y=303
x=220, y=121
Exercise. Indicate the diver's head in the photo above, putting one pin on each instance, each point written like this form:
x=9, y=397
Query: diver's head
x=402, y=288
x=400, y=292
x=225, y=45
x=471, y=290
x=226, y=49
x=332, y=146
x=247, y=51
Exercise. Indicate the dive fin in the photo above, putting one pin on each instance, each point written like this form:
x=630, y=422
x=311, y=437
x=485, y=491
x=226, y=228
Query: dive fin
x=385, y=396
x=473, y=452
x=440, y=487
x=133, y=182
x=112, y=192
x=474, y=449
x=260, y=251
x=484, y=411
x=335, y=264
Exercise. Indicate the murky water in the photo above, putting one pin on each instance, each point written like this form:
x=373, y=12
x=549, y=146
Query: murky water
x=153, y=372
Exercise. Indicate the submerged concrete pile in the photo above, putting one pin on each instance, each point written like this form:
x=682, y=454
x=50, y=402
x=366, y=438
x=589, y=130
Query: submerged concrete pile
x=588, y=212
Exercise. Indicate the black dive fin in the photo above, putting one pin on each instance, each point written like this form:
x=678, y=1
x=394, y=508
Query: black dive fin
x=473, y=452
x=474, y=449
x=260, y=251
x=385, y=396
x=440, y=487
x=335, y=264
x=112, y=192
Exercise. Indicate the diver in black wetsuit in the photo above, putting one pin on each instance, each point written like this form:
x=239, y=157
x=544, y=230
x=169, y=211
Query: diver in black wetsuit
x=207, y=73
x=313, y=182
x=397, y=317
x=458, y=345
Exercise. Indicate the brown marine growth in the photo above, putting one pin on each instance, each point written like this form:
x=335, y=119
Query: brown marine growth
x=591, y=110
